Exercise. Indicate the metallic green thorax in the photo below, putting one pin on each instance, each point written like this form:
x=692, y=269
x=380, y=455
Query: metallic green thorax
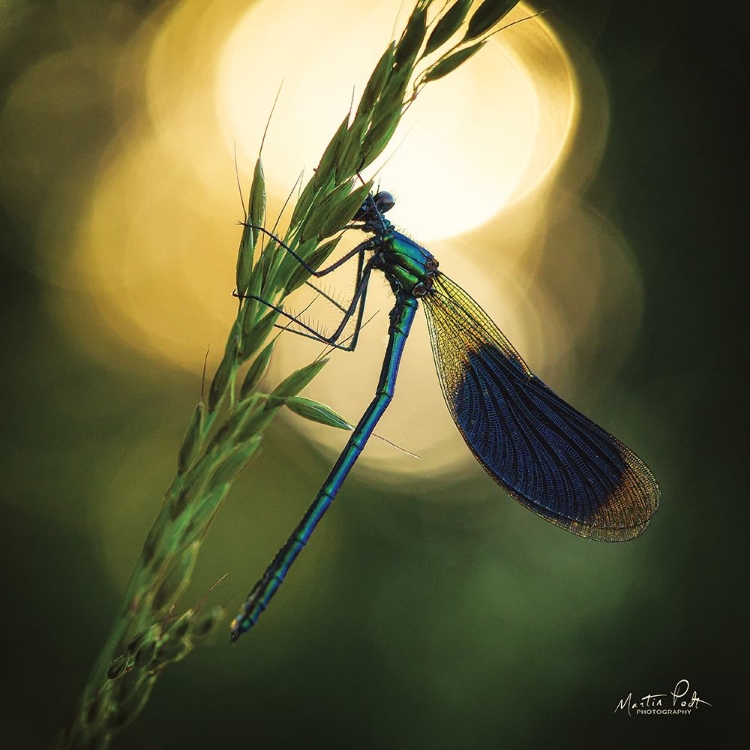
x=408, y=267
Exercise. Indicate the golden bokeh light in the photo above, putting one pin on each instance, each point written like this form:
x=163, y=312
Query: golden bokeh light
x=480, y=138
x=486, y=169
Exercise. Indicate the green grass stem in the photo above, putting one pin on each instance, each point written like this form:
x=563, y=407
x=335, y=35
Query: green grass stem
x=225, y=431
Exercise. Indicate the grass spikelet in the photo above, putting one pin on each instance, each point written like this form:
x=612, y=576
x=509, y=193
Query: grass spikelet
x=295, y=382
x=487, y=15
x=316, y=412
x=191, y=441
x=411, y=40
x=375, y=84
x=257, y=370
x=448, y=64
x=448, y=25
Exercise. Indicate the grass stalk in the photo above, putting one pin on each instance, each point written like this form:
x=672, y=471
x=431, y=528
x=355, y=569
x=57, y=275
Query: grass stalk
x=227, y=428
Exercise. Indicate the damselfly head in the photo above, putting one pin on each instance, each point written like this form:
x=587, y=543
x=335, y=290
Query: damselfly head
x=374, y=207
x=383, y=201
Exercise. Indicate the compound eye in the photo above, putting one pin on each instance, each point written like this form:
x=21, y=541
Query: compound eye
x=384, y=201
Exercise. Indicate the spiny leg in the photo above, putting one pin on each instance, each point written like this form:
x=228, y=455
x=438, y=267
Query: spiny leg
x=366, y=245
x=326, y=296
x=356, y=305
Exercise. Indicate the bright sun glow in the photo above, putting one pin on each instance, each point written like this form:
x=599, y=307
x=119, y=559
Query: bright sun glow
x=479, y=150
x=473, y=140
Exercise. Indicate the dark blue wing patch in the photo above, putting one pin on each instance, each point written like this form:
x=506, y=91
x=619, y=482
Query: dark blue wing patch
x=542, y=451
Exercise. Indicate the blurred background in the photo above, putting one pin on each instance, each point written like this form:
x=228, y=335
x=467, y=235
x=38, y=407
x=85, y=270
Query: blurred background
x=580, y=177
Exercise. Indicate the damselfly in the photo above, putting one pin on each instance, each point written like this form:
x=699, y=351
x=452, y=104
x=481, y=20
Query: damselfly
x=538, y=448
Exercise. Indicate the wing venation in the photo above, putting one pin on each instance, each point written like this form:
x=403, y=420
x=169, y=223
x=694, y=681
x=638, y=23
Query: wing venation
x=542, y=451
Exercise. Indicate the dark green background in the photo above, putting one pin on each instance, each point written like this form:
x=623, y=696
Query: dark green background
x=491, y=629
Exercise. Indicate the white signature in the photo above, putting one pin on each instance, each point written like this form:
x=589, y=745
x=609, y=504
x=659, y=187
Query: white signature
x=677, y=701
